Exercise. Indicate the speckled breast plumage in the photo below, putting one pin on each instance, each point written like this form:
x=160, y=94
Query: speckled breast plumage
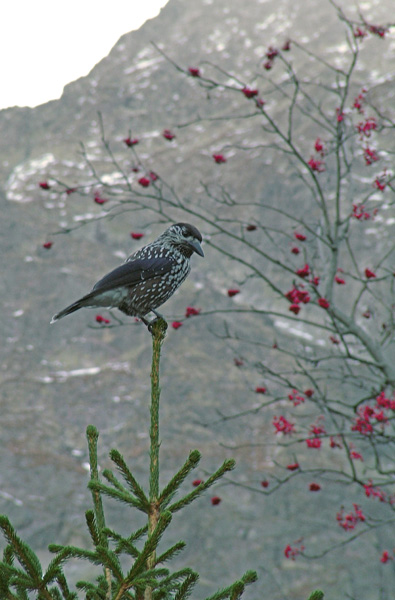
x=157, y=283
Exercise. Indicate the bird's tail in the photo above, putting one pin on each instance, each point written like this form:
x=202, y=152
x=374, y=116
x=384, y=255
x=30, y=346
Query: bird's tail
x=70, y=309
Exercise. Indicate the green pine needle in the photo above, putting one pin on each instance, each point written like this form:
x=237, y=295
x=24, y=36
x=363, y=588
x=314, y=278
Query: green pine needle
x=92, y=527
x=237, y=591
x=234, y=591
x=186, y=587
x=25, y=555
x=97, y=486
x=149, y=546
x=92, y=436
x=249, y=577
x=228, y=465
x=8, y=555
x=179, y=477
x=171, y=552
x=109, y=475
x=124, y=545
x=75, y=552
x=137, y=490
x=127, y=544
x=110, y=559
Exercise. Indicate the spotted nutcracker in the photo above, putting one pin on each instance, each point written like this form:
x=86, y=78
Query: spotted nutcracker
x=147, y=278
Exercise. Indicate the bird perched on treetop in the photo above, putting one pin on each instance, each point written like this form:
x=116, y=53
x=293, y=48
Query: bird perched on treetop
x=147, y=278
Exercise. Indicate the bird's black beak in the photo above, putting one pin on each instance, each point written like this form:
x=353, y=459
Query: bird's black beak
x=196, y=247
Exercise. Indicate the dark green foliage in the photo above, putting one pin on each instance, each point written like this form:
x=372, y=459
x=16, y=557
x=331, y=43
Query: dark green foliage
x=109, y=545
x=169, y=491
x=145, y=577
x=17, y=581
x=235, y=590
x=316, y=595
x=134, y=486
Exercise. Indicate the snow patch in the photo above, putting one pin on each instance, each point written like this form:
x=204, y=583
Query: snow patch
x=15, y=189
x=8, y=496
x=299, y=333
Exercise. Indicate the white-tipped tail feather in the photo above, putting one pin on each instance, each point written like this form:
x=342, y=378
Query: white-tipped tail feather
x=68, y=310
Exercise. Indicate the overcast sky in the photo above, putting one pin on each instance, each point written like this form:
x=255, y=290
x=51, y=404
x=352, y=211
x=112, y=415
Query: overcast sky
x=45, y=44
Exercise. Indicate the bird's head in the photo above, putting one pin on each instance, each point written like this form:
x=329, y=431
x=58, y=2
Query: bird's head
x=186, y=238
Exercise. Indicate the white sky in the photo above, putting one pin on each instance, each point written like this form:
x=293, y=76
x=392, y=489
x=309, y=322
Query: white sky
x=45, y=44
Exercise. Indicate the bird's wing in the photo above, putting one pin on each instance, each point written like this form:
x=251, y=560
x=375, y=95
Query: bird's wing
x=133, y=272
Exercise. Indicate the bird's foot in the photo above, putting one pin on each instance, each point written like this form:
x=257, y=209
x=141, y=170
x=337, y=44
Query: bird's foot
x=158, y=315
x=157, y=325
x=143, y=320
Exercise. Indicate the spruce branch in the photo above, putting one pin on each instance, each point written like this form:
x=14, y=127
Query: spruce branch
x=228, y=465
x=149, y=578
x=25, y=555
x=124, y=544
x=235, y=590
x=128, y=543
x=150, y=545
x=123, y=496
x=187, y=586
x=92, y=527
x=118, y=459
x=178, y=576
x=169, y=491
x=55, y=594
x=171, y=552
x=92, y=435
x=173, y=583
x=93, y=593
x=111, y=561
x=109, y=475
x=75, y=552
x=8, y=555
x=158, y=330
x=61, y=579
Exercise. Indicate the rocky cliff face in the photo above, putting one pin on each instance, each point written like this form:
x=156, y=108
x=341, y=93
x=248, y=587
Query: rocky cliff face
x=56, y=380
